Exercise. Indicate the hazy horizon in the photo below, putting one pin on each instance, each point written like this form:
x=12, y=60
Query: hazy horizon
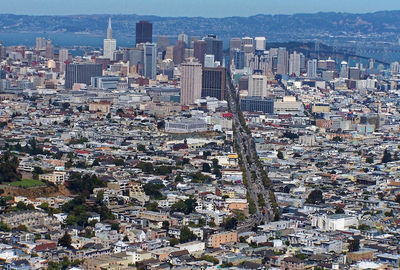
x=205, y=8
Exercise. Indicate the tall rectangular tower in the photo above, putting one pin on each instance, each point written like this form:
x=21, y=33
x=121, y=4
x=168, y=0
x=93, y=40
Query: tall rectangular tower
x=191, y=79
x=144, y=32
x=150, y=60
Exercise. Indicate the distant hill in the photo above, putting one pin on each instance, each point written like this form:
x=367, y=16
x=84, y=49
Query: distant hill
x=384, y=25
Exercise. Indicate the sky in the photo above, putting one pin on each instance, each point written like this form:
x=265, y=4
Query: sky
x=192, y=8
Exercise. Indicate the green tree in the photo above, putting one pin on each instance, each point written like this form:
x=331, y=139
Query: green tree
x=96, y=162
x=152, y=207
x=153, y=190
x=339, y=210
x=173, y=242
x=165, y=225
x=206, y=167
x=315, y=197
x=146, y=167
x=230, y=223
x=179, y=178
x=65, y=240
x=188, y=206
x=354, y=245
x=186, y=235
x=119, y=162
x=280, y=155
x=369, y=160
x=141, y=148
x=8, y=168
x=387, y=156
x=4, y=227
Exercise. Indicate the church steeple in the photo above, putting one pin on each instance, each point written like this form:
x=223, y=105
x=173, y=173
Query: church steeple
x=109, y=29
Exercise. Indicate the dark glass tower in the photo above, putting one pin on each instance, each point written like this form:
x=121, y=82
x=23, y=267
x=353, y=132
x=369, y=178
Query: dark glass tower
x=214, y=83
x=144, y=32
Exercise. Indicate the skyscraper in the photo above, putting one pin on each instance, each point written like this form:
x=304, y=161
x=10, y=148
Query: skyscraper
x=234, y=43
x=200, y=48
x=110, y=44
x=283, y=62
x=214, y=46
x=214, y=83
x=209, y=60
x=144, y=32
x=312, y=66
x=239, y=59
x=257, y=86
x=49, y=50
x=81, y=73
x=135, y=57
x=179, y=52
x=162, y=43
x=62, y=57
x=344, y=70
x=294, y=64
x=183, y=37
x=191, y=79
x=260, y=43
x=40, y=43
x=192, y=40
x=150, y=60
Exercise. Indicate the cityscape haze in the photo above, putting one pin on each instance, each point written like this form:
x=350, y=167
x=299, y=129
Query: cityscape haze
x=204, y=136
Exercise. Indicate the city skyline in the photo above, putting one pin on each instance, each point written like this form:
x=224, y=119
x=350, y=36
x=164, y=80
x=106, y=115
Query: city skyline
x=206, y=8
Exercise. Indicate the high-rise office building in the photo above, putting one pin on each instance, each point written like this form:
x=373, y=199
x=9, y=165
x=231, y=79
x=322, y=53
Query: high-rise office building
x=312, y=66
x=191, y=79
x=63, y=55
x=189, y=53
x=239, y=59
x=247, y=41
x=294, y=64
x=214, y=46
x=257, y=86
x=214, y=83
x=162, y=43
x=395, y=67
x=110, y=44
x=81, y=73
x=192, y=40
x=135, y=57
x=62, y=58
x=40, y=43
x=354, y=73
x=234, y=44
x=344, y=70
x=49, y=50
x=144, y=32
x=209, y=60
x=200, y=49
x=183, y=37
x=283, y=62
x=260, y=43
x=179, y=52
x=150, y=60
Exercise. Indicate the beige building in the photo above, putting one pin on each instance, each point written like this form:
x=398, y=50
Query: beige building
x=217, y=239
x=101, y=106
x=30, y=219
x=320, y=108
x=191, y=81
x=55, y=177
